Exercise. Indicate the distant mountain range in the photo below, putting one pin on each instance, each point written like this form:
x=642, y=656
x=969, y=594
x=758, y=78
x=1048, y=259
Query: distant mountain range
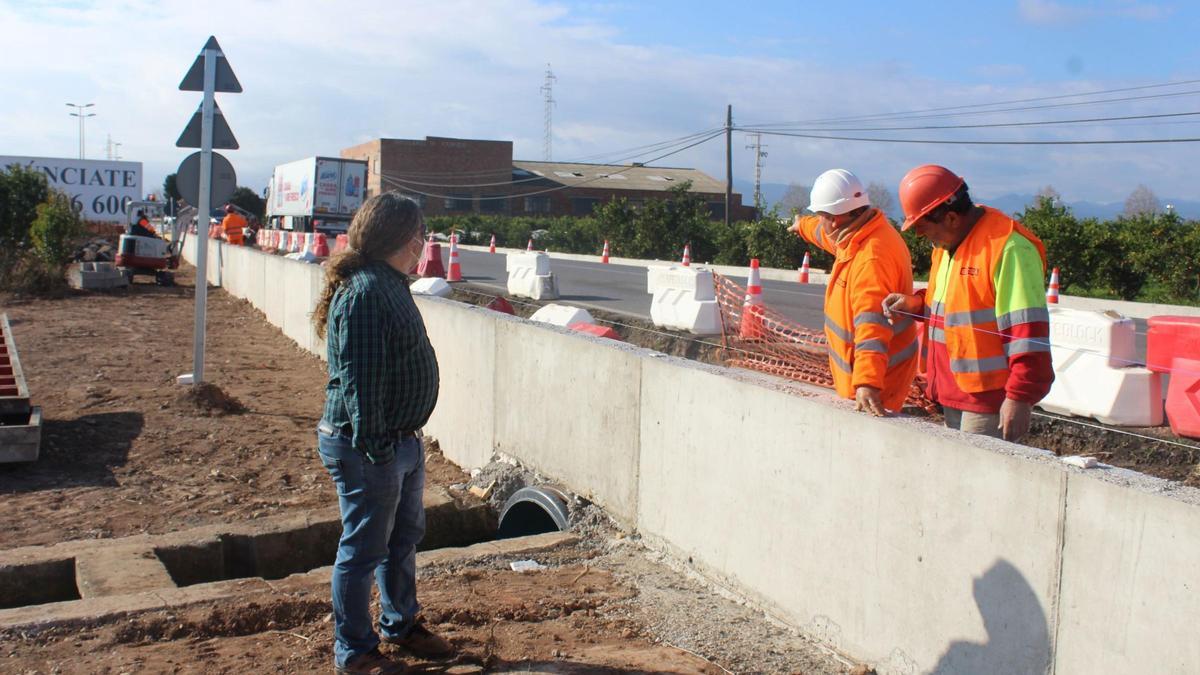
x=1010, y=203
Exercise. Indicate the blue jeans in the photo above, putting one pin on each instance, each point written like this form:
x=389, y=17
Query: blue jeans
x=383, y=519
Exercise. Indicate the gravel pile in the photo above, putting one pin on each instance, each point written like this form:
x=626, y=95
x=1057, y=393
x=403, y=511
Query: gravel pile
x=96, y=250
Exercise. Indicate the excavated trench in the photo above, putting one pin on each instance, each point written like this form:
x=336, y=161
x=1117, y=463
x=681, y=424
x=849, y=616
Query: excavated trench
x=267, y=549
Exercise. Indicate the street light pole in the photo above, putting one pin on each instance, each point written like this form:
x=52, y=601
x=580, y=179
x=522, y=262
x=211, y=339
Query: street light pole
x=79, y=112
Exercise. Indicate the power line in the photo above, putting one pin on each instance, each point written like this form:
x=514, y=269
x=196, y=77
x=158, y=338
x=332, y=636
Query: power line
x=836, y=120
x=1002, y=124
x=932, y=141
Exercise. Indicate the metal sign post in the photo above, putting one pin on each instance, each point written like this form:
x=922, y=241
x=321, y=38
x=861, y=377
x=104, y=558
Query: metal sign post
x=209, y=73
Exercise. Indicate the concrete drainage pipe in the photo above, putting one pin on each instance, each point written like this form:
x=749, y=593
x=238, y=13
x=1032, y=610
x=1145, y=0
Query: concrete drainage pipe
x=533, y=510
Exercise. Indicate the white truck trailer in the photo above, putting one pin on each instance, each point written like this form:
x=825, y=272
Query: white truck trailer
x=316, y=194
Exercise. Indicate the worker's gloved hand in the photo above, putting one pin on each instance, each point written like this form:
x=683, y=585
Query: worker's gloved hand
x=866, y=399
x=1014, y=419
x=898, y=306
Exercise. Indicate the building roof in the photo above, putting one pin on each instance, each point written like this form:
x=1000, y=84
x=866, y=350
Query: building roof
x=620, y=177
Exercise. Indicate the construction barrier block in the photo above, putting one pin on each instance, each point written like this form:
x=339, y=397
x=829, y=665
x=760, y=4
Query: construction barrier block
x=562, y=315
x=1171, y=337
x=529, y=276
x=684, y=299
x=281, y=243
x=598, y=331
x=341, y=244
x=431, y=261
x=1087, y=348
x=1107, y=334
x=1183, y=397
x=430, y=286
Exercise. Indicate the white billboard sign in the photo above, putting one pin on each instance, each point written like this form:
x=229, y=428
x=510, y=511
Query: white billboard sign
x=99, y=189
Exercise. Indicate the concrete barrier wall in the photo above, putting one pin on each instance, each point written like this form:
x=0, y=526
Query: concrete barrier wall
x=912, y=547
x=888, y=539
x=464, y=421
x=568, y=406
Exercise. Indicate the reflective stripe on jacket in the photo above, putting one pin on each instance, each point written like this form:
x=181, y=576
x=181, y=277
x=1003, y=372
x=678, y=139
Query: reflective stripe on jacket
x=963, y=314
x=864, y=348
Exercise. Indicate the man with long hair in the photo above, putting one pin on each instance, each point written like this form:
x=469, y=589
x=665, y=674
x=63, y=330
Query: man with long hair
x=383, y=386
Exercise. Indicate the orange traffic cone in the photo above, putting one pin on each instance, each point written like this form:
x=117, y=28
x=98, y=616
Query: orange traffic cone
x=804, y=269
x=321, y=246
x=752, y=309
x=529, y=246
x=492, y=246
x=687, y=255
x=1052, y=290
x=604, y=256
x=455, y=273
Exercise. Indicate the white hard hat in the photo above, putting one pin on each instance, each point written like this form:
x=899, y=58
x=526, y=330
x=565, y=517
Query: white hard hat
x=837, y=191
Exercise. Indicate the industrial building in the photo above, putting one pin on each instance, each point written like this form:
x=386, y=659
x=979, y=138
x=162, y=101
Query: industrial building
x=454, y=176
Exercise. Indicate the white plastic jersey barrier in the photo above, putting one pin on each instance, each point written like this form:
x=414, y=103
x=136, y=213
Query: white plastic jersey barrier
x=529, y=276
x=562, y=315
x=1109, y=334
x=1092, y=376
x=430, y=286
x=684, y=299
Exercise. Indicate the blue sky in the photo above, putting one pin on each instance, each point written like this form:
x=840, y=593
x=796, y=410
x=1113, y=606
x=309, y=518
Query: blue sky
x=319, y=78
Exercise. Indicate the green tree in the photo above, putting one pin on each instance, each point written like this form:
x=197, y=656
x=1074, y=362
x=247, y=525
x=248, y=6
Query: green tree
x=56, y=229
x=21, y=190
x=1063, y=236
x=248, y=200
x=171, y=188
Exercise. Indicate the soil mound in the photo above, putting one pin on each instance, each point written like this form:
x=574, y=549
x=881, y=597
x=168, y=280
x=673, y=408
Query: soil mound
x=210, y=399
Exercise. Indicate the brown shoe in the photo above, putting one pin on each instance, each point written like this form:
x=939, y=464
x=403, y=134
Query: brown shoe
x=371, y=663
x=423, y=643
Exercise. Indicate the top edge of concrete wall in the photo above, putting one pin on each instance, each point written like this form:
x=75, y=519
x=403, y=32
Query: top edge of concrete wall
x=1133, y=310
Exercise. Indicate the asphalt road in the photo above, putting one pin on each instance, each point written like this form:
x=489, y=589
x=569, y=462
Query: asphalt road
x=621, y=288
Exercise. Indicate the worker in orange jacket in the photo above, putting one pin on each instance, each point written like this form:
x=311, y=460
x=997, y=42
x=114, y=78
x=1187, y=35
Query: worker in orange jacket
x=985, y=309
x=872, y=360
x=233, y=225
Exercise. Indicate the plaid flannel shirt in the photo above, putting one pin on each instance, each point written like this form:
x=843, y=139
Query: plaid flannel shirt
x=383, y=373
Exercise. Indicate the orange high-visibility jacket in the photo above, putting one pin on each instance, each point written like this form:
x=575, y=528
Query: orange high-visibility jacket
x=967, y=320
x=233, y=224
x=864, y=348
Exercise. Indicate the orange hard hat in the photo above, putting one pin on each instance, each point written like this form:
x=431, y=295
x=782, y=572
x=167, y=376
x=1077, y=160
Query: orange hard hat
x=924, y=189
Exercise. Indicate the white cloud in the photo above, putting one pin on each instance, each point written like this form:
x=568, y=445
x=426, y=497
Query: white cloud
x=1052, y=12
x=319, y=78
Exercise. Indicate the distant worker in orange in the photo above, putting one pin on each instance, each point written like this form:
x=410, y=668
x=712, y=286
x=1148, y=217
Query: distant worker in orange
x=988, y=327
x=234, y=225
x=873, y=361
x=142, y=226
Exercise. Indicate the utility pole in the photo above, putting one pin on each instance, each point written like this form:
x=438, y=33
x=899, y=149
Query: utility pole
x=548, y=106
x=728, y=160
x=759, y=154
x=79, y=112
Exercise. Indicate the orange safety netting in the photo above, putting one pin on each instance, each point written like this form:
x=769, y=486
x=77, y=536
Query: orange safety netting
x=759, y=338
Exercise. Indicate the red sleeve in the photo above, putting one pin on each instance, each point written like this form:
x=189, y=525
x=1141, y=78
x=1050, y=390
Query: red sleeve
x=1031, y=371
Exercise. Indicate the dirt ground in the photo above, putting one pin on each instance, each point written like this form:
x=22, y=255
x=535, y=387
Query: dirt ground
x=125, y=450
x=594, y=609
